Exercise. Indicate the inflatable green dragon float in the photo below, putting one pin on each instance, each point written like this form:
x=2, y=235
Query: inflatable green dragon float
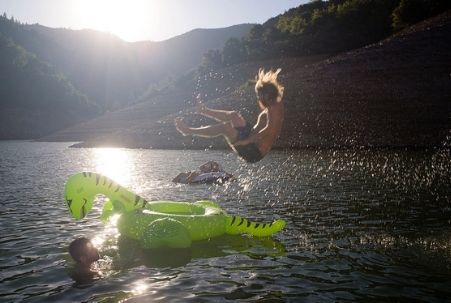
x=158, y=223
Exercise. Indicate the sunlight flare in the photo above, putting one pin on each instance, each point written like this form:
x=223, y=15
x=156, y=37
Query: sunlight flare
x=126, y=19
x=140, y=287
x=114, y=163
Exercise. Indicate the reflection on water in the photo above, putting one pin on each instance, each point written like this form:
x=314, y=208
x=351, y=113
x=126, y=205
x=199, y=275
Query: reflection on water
x=109, y=233
x=140, y=287
x=362, y=225
x=113, y=163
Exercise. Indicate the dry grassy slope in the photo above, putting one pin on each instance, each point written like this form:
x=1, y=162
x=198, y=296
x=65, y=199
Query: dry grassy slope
x=393, y=93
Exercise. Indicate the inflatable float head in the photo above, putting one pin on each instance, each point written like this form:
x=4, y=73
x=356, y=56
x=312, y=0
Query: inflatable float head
x=79, y=196
x=82, y=188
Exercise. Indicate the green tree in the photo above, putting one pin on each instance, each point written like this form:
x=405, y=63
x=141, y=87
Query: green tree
x=233, y=52
x=211, y=60
x=256, y=32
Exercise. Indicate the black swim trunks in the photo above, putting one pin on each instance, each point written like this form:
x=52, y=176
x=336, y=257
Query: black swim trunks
x=244, y=132
x=248, y=152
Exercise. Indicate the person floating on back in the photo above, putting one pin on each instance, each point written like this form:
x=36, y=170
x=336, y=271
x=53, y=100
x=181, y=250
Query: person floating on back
x=251, y=143
x=209, y=172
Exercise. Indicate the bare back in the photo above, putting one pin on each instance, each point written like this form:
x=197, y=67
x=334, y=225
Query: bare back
x=269, y=130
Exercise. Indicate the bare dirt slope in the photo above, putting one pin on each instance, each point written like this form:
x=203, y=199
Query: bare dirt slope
x=393, y=93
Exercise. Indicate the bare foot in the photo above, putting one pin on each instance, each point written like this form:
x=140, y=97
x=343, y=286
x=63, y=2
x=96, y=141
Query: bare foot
x=181, y=126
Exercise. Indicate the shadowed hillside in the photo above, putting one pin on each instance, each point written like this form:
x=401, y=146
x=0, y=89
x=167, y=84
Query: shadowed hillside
x=392, y=93
x=111, y=72
x=49, y=75
x=35, y=99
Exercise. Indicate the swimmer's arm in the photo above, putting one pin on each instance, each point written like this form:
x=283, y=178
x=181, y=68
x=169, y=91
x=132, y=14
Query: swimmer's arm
x=191, y=176
x=261, y=122
x=189, y=179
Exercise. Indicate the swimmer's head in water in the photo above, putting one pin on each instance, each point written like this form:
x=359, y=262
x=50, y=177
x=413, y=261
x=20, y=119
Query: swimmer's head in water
x=83, y=251
x=267, y=88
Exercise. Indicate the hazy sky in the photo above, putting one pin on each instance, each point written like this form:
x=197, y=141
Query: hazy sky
x=134, y=20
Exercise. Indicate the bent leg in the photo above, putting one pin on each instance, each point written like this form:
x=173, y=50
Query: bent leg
x=225, y=129
x=224, y=116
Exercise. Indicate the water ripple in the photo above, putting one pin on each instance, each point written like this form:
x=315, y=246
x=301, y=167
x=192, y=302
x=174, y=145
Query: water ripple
x=362, y=226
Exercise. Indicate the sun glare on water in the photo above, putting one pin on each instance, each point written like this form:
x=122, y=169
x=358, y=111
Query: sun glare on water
x=114, y=163
x=127, y=19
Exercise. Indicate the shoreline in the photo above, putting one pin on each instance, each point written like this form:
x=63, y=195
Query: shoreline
x=76, y=144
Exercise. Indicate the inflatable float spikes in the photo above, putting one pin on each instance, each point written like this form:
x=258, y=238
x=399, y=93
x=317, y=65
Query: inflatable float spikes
x=158, y=223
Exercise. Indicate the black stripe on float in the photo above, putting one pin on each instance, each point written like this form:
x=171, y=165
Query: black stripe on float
x=111, y=183
x=97, y=179
x=144, y=203
x=83, y=210
x=137, y=198
x=248, y=223
x=118, y=187
x=241, y=222
x=270, y=224
x=89, y=174
x=84, y=174
x=264, y=225
x=233, y=220
x=257, y=225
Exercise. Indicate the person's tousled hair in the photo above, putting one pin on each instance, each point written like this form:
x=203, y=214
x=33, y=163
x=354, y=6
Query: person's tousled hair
x=267, y=88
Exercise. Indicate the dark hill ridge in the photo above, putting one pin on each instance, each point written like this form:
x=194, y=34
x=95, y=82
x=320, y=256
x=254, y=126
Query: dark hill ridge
x=393, y=93
x=111, y=72
x=35, y=99
x=115, y=73
x=184, y=52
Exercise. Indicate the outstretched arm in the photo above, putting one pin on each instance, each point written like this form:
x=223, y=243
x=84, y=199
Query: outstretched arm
x=191, y=176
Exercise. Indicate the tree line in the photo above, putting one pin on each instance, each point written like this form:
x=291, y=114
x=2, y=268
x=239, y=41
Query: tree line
x=323, y=27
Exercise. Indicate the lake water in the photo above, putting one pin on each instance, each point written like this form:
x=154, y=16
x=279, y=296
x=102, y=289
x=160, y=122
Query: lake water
x=361, y=225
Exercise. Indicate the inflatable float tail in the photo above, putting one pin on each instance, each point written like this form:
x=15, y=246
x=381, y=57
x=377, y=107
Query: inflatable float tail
x=237, y=225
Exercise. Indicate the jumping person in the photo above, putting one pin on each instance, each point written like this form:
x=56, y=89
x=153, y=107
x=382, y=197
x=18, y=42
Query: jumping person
x=251, y=143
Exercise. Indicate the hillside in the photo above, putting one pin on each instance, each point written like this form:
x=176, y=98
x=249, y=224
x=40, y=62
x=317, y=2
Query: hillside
x=141, y=118
x=392, y=93
x=35, y=99
x=63, y=70
x=111, y=72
